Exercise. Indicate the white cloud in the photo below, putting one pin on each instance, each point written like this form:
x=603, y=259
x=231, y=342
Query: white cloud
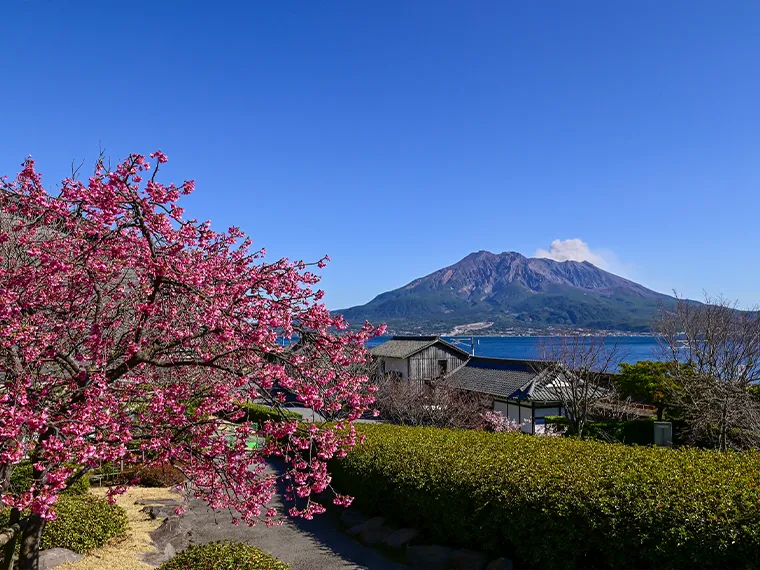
x=576, y=249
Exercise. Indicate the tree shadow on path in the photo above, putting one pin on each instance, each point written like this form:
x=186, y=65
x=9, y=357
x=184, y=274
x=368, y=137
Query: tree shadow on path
x=318, y=544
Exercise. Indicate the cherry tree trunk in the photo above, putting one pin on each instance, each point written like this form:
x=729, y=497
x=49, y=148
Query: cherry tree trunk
x=30, y=543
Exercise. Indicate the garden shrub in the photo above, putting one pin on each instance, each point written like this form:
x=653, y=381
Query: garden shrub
x=223, y=555
x=165, y=475
x=561, y=503
x=83, y=522
x=21, y=480
x=639, y=432
x=259, y=413
x=636, y=432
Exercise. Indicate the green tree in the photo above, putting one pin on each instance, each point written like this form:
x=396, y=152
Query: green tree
x=650, y=381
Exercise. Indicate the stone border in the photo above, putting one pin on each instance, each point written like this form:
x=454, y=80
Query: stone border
x=376, y=531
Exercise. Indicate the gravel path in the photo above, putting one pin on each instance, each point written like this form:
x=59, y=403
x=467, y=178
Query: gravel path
x=318, y=544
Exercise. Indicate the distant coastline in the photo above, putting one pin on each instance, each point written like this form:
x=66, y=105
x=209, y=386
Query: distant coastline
x=529, y=332
x=631, y=347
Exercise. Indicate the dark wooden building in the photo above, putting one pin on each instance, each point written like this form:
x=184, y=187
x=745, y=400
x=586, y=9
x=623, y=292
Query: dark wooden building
x=418, y=358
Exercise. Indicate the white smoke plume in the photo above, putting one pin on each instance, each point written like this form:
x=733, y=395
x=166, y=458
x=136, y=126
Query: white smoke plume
x=576, y=249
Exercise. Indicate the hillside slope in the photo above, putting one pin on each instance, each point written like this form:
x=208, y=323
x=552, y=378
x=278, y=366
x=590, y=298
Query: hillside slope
x=514, y=292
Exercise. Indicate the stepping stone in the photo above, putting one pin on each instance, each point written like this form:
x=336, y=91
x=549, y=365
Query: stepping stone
x=352, y=517
x=399, y=538
x=467, y=560
x=169, y=552
x=429, y=557
x=371, y=523
x=500, y=564
x=56, y=556
x=167, y=531
x=159, y=511
x=375, y=534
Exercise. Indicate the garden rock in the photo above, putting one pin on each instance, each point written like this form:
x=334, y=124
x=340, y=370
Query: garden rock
x=371, y=523
x=375, y=534
x=57, y=556
x=352, y=517
x=159, y=509
x=169, y=551
x=429, y=557
x=399, y=538
x=169, y=529
x=467, y=560
x=500, y=564
x=151, y=511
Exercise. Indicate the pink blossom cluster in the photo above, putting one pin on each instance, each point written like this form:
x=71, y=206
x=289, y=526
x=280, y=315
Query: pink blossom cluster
x=498, y=422
x=127, y=333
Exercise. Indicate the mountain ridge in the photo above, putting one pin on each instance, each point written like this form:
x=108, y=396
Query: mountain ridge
x=514, y=292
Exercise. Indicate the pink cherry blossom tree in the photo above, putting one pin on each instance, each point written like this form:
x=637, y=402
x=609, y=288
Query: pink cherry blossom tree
x=127, y=333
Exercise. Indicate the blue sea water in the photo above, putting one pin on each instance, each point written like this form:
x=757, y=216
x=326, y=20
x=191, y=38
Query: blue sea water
x=628, y=348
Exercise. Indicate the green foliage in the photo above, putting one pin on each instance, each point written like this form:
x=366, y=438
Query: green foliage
x=223, y=555
x=639, y=432
x=83, y=522
x=561, y=503
x=21, y=481
x=649, y=381
x=259, y=413
x=156, y=476
x=630, y=432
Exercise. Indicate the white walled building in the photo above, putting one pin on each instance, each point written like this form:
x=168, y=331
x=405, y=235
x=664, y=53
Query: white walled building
x=518, y=388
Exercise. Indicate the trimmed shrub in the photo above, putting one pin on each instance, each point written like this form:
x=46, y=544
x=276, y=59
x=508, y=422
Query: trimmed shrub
x=158, y=476
x=259, y=413
x=21, y=481
x=223, y=555
x=637, y=432
x=561, y=503
x=83, y=522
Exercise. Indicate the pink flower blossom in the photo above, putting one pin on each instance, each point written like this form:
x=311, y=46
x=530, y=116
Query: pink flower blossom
x=127, y=333
x=498, y=422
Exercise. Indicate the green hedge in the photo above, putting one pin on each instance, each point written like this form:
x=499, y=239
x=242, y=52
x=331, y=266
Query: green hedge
x=223, y=555
x=259, y=413
x=561, y=503
x=83, y=522
x=640, y=432
x=21, y=480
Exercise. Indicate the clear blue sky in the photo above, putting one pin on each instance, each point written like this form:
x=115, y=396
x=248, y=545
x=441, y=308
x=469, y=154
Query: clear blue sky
x=400, y=136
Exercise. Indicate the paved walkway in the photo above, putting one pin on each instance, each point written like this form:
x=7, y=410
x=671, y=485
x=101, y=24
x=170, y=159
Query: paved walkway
x=318, y=544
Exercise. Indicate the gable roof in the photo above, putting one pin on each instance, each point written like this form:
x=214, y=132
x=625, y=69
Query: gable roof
x=494, y=376
x=543, y=387
x=513, y=379
x=508, y=378
x=406, y=346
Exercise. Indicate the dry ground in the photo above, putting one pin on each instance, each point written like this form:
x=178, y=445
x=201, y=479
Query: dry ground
x=123, y=553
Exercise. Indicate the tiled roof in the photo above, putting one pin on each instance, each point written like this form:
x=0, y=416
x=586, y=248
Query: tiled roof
x=512, y=379
x=507, y=378
x=406, y=346
x=540, y=388
x=494, y=376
